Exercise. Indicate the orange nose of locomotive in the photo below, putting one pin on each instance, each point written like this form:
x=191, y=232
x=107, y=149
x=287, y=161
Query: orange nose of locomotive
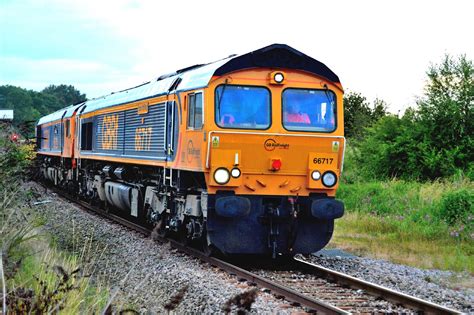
x=274, y=165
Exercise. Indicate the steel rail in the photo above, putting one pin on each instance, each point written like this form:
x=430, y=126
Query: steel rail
x=375, y=289
x=277, y=289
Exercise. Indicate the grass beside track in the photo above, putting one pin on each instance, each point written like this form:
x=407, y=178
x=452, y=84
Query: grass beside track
x=38, y=277
x=58, y=281
x=404, y=222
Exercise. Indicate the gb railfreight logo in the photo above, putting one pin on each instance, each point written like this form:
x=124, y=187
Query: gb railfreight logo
x=271, y=144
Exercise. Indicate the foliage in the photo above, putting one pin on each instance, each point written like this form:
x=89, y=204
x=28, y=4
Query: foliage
x=359, y=115
x=457, y=207
x=66, y=94
x=52, y=282
x=432, y=141
x=30, y=105
x=15, y=159
x=39, y=279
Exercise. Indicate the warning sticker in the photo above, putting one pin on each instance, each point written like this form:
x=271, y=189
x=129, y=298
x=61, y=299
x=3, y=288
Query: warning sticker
x=215, y=141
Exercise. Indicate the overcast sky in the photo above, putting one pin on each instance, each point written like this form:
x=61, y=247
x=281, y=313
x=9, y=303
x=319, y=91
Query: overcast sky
x=378, y=48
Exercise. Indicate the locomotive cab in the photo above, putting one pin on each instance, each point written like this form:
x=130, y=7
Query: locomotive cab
x=275, y=153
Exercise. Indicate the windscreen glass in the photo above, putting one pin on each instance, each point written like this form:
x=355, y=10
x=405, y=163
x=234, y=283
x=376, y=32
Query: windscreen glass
x=242, y=107
x=309, y=110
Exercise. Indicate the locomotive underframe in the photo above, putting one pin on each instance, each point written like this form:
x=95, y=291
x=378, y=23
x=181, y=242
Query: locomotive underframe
x=176, y=202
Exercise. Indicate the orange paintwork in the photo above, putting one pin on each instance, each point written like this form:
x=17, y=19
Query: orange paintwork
x=254, y=160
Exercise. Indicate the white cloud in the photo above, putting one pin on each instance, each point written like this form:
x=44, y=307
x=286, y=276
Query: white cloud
x=91, y=77
x=379, y=48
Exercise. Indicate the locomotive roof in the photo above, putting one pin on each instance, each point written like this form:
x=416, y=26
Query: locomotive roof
x=199, y=76
x=62, y=113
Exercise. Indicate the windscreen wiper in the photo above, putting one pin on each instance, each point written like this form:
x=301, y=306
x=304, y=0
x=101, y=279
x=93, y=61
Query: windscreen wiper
x=326, y=91
x=220, y=96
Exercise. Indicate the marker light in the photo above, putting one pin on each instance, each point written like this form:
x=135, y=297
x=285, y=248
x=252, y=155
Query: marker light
x=278, y=77
x=235, y=172
x=276, y=165
x=315, y=175
x=221, y=176
x=329, y=179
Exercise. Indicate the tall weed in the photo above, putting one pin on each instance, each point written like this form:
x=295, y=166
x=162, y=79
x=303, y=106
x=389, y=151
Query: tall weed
x=457, y=207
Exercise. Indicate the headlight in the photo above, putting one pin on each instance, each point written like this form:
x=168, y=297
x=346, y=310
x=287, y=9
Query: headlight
x=279, y=77
x=329, y=179
x=235, y=172
x=315, y=175
x=221, y=176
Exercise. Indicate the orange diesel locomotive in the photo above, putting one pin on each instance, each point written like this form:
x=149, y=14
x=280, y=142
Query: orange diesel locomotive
x=243, y=154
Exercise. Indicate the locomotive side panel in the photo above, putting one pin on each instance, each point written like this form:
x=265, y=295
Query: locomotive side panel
x=108, y=133
x=134, y=134
x=145, y=131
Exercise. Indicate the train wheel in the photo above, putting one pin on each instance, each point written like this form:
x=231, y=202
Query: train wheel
x=160, y=231
x=209, y=249
x=182, y=235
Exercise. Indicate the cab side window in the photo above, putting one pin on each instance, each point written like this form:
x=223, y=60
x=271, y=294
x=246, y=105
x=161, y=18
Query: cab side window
x=195, y=111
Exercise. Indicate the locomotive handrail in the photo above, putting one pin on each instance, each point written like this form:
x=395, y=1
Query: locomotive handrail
x=270, y=134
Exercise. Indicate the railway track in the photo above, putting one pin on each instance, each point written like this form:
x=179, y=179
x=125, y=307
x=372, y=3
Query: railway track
x=314, y=287
x=346, y=292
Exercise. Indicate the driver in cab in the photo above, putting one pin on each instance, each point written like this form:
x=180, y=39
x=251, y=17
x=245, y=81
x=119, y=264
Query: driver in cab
x=294, y=115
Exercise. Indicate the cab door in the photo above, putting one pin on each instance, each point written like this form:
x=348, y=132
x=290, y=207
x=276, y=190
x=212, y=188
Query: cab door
x=171, y=130
x=66, y=138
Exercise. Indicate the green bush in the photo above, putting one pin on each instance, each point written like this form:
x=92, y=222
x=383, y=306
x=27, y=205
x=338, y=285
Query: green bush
x=15, y=159
x=457, y=207
x=431, y=141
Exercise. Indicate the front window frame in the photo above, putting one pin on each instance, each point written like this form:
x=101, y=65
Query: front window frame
x=311, y=131
x=216, y=100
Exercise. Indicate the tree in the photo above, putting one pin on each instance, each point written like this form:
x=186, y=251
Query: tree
x=380, y=109
x=66, y=94
x=446, y=110
x=433, y=140
x=358, y=114
x=30, y=105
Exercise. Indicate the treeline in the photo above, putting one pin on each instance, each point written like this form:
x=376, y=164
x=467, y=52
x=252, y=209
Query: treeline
x=432, y=139
x=29, y=105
